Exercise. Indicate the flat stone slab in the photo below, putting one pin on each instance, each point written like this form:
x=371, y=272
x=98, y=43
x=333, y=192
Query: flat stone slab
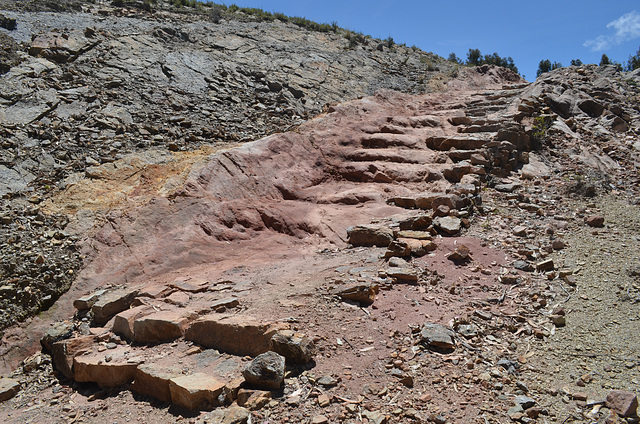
x=153, y=380
x=196, y=392
x=124, y=321
x=238, y=335
x=449, y=225
x=63, y=353
x=403, y=275
x=111, y=303
x=159, y=327
x=110, y=368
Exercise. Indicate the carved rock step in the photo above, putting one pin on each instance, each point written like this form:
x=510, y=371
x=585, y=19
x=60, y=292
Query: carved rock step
x=430, y=200
x=107, y=368
x=444, y=143
x=112, y=302
x=386, y=172
x=472, y=129
x=237, y=335
x=391, y=155
x=384, y=140
x=189, y=376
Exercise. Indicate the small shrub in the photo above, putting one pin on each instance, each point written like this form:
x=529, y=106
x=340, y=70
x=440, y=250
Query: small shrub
x=541, y=125
x=546, y=66
x=216, y=13
x=389, y=42
x=634, y=62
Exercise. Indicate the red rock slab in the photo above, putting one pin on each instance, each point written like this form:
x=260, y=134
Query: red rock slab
x=238, y=335
x=110, y=368
x=111, y=303
x=123, y=322
x=196, y=391
x=153, y=380
x=160, y=327
x=64, y=351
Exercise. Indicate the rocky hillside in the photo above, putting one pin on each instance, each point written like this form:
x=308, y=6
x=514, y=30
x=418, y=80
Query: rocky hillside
x=85, y=89
x=235, y=221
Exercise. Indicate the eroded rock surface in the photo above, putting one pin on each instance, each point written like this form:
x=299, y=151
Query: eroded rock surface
x=331, y=245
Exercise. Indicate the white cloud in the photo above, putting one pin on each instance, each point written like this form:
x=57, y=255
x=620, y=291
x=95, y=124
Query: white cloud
x=626, y=28
x=599, y=44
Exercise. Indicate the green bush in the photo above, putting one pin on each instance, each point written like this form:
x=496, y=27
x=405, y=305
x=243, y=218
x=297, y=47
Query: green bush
x=389, y=42
x=475, y=58
x=455, y=59
x=546, y=66
x=541, y=125
x=634, y=61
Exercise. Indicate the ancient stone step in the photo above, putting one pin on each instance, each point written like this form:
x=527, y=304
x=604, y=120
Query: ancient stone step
x=160, y=326
x=382, y=140
x=422, y=121
x=390, y=155
x=476, y=155
x=196, y=391
x=124, y=321
x=477, y=128
x=108, y=368
x=388, y=172
x=63, y=353
x=237, y=335
x=444, y=143
x=111, y=302
x=86, y=302
x=455, y=172
x=153, y=380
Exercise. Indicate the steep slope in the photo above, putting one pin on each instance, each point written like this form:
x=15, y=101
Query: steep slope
x=95, y=85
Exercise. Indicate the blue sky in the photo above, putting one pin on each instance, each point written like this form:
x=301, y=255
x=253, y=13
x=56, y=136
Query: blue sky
x=558, y=30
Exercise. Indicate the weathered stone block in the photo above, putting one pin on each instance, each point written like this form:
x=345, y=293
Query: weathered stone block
x=238, y=335
x=153, y=380
x=196, y=392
